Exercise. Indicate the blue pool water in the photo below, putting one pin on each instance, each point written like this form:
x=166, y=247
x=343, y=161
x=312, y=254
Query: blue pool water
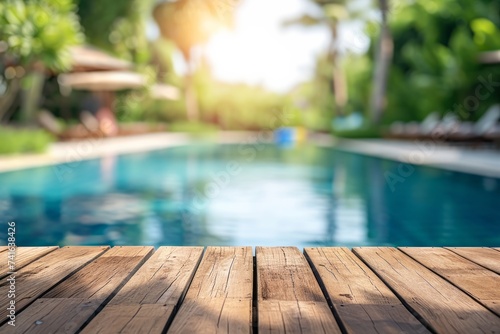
x=248, y=195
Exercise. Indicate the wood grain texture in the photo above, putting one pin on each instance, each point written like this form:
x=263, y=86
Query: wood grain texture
x=38, y=277
x=289, y=298
x=213, y=315
x=443, y=306
x=362, y=301
x=41, y=316
x=100, y=278
x=79, y=296
x=182, y=290
x=225, y=272
x=219, y=299
x=481, y=284
x=486, y=257
x=284, y=274
x=26, y=255
x=131, y=319
x=280, y=316
x=149, y=299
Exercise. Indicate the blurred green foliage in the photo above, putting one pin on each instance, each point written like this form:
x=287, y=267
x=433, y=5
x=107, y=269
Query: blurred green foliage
x=40, y=31
x=117, y=26
x=366, y=131
x=194, y=128
x=434, y=67
x=39, y=34
x=435, y=63
x=238, y=106
x=222, y=105
x=139, y=106
x=23, y=141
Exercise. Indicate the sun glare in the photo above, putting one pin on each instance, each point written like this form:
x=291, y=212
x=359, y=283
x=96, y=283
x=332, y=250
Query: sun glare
x=260, y=51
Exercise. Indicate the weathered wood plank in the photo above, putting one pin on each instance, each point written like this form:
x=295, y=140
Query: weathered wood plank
x=134, y=318
x=362, y=301
x=289, y=298
x=225, y=272
x=99, y=279
x=443, y=306
x=36, y=278
x=487, y=257
x=147, y=301
x=213, y=315
x=79, y=296
x=41, y=319
x=481, y=284
x=26, y=255
x=282, y=316
x=219, y=299
x=162, y=279
x=3, y=249
x=284, y=274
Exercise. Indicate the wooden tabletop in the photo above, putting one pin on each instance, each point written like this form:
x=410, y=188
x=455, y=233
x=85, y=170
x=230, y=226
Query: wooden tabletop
x=137, y=289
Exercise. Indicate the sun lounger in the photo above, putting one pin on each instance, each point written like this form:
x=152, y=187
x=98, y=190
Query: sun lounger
x=47, y=121
x=478, y=131
x=414, y=130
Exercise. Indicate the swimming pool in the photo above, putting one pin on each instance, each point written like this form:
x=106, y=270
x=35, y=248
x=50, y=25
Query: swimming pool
x=207, y=194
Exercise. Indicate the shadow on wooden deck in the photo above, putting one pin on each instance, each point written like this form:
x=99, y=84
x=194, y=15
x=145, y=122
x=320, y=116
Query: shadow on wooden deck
x=227, y=290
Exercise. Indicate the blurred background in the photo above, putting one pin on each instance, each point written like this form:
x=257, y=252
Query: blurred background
x=358, y=68
x=248, y=73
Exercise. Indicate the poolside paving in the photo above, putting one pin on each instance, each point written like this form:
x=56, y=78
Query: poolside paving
x=485, y=162
x=473, y=160
x=91, y=148
x=137, y=289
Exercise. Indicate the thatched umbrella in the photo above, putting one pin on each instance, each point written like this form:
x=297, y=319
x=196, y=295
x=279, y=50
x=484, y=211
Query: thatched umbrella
x=102, y=81
x=102, y=74
x=86, y=58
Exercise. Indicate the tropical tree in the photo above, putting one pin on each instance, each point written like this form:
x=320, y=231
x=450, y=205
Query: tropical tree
x=331, y=14
x=190, y=23
x=383, y=59
x=117, y=26
x=38, y=35
x=436, y=57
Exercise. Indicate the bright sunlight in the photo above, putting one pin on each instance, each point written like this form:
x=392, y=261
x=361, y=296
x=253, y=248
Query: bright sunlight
x=260, y=51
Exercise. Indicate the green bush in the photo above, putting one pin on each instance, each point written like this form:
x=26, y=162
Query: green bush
x=364, y=132
x=193, y=128
x=23, y=141
x=239, y=106
x=139, y=106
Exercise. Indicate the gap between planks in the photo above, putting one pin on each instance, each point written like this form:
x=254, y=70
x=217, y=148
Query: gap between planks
x=475, y=280
x=27, y=255
x=150, y=298
x=361, y=302
x=42, y=275
x=440, y=305
x=292, y=297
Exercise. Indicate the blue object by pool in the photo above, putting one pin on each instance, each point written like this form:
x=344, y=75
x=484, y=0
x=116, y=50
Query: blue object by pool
x=248, y=195
x=284, y=136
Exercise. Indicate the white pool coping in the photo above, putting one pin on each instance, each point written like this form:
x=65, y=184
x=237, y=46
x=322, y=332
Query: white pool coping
x=484, y=162
x=68, y=152
x=479, y=162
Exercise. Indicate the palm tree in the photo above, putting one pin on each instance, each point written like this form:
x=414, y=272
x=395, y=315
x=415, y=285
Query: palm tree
x=333, y=12
x=189, y=23
x=382, y=62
